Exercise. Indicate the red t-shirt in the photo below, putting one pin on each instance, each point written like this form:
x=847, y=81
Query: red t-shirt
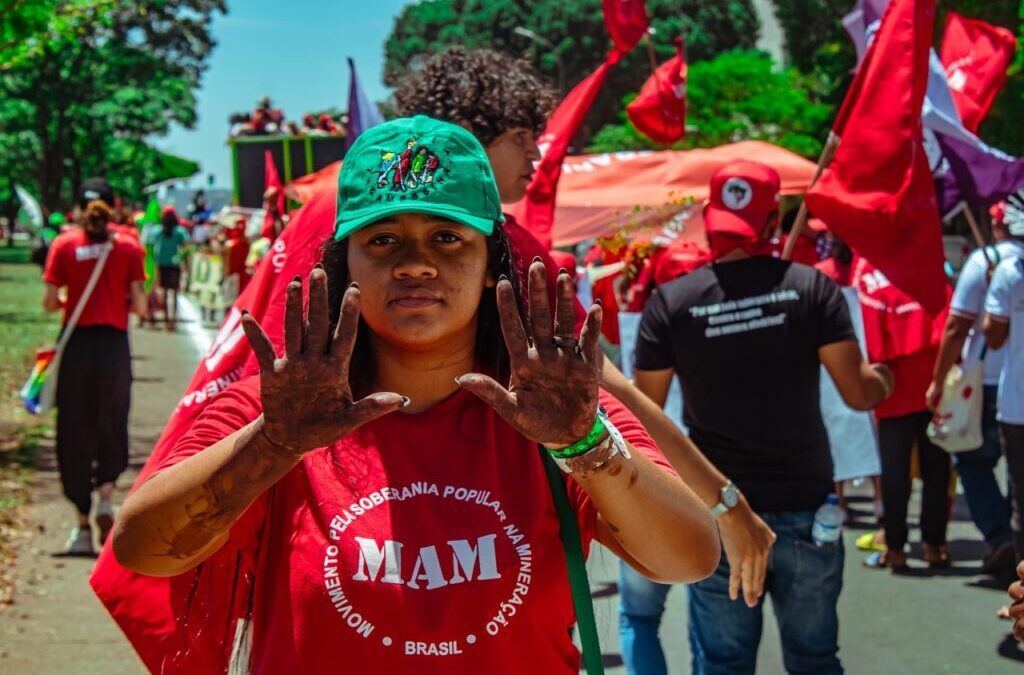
x=421, y=543
x=70, y=263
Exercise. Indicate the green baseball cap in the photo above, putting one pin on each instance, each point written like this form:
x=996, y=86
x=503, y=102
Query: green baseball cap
x=417, y=165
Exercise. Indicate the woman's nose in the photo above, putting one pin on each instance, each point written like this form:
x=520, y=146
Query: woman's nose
x=415, y=262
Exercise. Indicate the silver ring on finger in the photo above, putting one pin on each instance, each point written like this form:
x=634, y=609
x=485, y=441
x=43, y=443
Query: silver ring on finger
x=567, y=343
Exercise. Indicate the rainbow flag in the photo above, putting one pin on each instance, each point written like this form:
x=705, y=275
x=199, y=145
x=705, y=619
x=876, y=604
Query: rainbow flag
x=32, y=393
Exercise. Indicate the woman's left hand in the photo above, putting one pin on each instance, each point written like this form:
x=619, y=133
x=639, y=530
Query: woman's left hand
x=552, y=396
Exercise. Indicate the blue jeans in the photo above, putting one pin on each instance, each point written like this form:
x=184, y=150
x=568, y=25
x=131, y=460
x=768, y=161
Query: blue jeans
x=803, y=581
x=990, y=509
x=641, y=604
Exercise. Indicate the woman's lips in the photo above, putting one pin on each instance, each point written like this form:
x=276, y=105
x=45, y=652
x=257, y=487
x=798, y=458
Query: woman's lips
x=415, y=302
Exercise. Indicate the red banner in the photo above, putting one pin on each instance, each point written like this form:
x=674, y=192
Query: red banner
x=975, y=55
x=627, y=22
x=537, y=211
x=186, y=624
x=878, y=194
x=659, y=111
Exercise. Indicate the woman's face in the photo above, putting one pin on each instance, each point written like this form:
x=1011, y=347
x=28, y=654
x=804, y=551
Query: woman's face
x=421, y=278
x=512, y=155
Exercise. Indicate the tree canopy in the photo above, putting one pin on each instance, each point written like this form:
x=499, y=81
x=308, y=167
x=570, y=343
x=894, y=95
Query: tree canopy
x=86, y=90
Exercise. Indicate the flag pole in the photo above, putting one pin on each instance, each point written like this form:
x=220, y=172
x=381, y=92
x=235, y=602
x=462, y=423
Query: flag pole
x=975, y=229
x=827, y=153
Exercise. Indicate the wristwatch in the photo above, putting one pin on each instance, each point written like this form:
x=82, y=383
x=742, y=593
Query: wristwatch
x=730, y=497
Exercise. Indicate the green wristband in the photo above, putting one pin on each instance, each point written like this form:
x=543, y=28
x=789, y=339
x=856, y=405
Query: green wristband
x=585, y=444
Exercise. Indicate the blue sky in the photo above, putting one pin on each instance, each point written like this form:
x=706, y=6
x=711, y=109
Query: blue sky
x=292, y=51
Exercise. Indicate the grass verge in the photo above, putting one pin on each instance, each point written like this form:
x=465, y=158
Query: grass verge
x=24, y=327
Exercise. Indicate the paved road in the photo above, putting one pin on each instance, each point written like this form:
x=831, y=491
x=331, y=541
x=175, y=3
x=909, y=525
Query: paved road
x=916, y=624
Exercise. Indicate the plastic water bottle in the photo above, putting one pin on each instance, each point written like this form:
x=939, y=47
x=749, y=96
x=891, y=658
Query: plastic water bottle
x=828, y=522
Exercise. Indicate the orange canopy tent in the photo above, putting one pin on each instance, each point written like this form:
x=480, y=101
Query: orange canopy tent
x=599, y=194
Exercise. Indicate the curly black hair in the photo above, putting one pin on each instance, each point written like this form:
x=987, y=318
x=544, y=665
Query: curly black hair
x=491, y=91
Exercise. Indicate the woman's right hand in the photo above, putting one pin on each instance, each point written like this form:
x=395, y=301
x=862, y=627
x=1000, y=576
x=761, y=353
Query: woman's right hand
x=306, y=397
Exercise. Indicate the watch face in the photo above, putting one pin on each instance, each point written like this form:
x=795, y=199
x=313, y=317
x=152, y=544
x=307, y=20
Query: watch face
x=729, y=496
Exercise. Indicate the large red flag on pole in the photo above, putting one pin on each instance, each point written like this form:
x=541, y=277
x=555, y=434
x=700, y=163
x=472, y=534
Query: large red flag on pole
x=537, y=211
x=659, y=110
x=187, y=624
x=878, y=194
x=627, y=22
x=975, y=55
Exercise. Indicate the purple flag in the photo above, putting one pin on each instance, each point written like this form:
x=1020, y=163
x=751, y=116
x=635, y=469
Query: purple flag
x=984, y=174
x=362, y=113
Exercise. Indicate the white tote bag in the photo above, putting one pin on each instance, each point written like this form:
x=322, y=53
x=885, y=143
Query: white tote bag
x=956, y=425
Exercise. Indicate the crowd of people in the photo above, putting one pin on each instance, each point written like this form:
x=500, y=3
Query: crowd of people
x=441, y=319
x=266, y=120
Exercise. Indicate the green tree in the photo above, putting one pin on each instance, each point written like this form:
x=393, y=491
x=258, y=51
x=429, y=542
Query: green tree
x=84, y=99
x=578, y=35
x=739, y=95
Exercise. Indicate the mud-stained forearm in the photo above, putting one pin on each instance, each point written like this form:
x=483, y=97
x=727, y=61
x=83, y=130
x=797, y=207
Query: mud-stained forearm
x=655, y=517
x=184, y=514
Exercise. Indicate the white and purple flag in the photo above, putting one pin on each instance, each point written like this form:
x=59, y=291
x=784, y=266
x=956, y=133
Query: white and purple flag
x=362, y=113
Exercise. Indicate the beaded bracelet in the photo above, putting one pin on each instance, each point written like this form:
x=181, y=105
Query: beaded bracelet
x=585, y=444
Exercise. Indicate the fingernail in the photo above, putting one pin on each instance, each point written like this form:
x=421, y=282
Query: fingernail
x=502, y=277
x=318, y=266
x=537, y=259
x=406, y=401
x=562, y=270
x=458, y=381
x=597, y=301
x=297, y=278
x=245, y=312
x=354, y=285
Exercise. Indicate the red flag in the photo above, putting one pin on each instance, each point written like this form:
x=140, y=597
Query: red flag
x=659, y=111
x=186, y=624
x=537, y=211
x=878, y=194
x=271, y=180
x=627, y=22
x=975, y=55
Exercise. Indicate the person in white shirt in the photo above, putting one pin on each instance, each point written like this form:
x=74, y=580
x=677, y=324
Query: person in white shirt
x=1004, y=325
x=989, y=507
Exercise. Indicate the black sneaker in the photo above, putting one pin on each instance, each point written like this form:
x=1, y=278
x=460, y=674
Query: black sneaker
x=1000, y=562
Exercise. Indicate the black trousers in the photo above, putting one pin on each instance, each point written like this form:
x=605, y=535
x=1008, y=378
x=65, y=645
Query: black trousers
x=1011, y=436
x=93, y=397
x=896, y=437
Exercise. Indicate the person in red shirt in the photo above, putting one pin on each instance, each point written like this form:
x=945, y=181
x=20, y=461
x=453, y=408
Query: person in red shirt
x=392, y=461
x=902, y=335
x=502, y=102
x=94, y=380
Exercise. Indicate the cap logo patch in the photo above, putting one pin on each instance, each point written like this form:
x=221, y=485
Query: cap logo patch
x=736, y=194
x=412, y=169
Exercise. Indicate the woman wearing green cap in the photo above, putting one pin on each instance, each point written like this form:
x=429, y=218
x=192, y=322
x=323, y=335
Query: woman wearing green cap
x=391, y=465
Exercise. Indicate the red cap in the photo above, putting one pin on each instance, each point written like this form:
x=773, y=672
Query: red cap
x=564, y=260
x=743, y=193
x=681, y=257
x=168, y=209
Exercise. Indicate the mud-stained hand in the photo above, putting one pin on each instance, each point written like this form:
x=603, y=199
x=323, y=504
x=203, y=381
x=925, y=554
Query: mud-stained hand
x=552, y=395
x=306, y=397
x=1017, y=608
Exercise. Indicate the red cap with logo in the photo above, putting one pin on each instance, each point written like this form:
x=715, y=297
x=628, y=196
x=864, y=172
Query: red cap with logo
x=743, y=194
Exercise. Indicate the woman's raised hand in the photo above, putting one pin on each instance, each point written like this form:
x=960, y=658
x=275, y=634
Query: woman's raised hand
x=306, y=397
x=552, y=396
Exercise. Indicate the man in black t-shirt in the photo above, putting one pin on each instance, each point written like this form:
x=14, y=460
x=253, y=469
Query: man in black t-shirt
x=747, y=335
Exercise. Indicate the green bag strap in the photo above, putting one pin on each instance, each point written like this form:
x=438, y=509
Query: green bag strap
x=569, y=531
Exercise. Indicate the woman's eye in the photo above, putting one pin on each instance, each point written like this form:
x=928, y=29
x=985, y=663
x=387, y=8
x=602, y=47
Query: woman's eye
x=447, y=237
x=382, y=240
